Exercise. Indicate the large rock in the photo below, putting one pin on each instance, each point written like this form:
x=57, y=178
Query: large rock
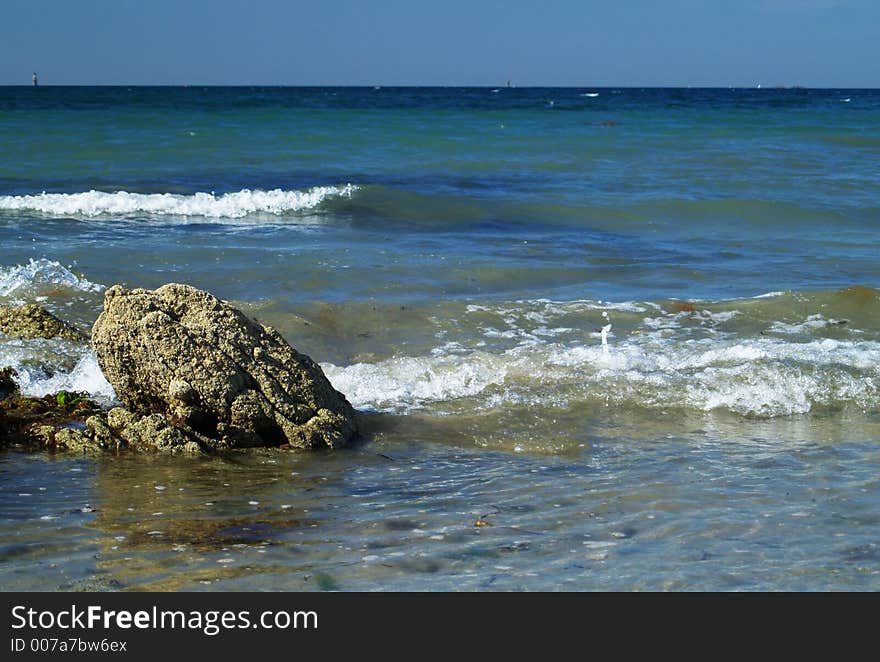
x=33, y=321
x=221, y=377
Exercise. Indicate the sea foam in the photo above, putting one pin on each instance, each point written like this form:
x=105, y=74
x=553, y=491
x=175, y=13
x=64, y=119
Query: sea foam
x=763, y=377
x=208, y=205
x=48, y=366
x=42, y=272
x=85, y=376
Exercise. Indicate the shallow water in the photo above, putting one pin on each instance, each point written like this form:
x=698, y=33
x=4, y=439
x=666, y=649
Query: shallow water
x=693, y=509
x=450, y=257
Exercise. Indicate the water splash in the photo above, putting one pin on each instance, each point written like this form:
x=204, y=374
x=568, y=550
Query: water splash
x=42, y=273
x=605, y=330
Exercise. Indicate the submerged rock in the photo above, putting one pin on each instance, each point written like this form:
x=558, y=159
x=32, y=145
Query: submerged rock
x=32, y=321
x=198, y=372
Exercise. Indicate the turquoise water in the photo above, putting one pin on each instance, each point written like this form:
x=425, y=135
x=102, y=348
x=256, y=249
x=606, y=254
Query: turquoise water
x=450, y=256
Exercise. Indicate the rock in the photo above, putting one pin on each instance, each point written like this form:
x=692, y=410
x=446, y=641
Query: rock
x=8, y=387
x=217, y=377
x=33, y=321
x=121, y=428
x=76, y=441
x=120, y=418
x=44, y=435
x=97, y=429
x=34, y=423
x=4, y=428
x=154, y=432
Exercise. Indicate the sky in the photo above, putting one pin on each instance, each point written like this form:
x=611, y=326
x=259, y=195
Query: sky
x=813, y=43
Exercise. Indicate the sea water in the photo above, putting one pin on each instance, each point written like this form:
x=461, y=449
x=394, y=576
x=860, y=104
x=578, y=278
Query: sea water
x=632, y=333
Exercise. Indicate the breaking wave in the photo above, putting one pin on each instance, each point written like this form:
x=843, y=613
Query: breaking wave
x=42, y=273
x=767, y=356
x=765, y=377
x=207, y=205
x=49, y=366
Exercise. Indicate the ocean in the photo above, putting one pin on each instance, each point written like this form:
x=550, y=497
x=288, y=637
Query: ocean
x=601, y=339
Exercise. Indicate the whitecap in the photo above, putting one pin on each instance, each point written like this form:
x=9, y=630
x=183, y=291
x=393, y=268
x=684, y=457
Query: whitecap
x=207, y=205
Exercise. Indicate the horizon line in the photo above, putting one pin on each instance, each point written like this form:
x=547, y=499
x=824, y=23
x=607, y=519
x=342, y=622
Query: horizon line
x=465, y=86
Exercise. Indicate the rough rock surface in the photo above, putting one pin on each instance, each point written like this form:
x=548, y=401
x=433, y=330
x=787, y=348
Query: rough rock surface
x=121, y=428
x=33, y=321
x=55, y=421
x=66, y=421
x=219, y=378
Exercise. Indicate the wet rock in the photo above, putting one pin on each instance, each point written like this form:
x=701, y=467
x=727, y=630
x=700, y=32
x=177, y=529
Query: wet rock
x=181, y=358
x=98, y=429
x=120, y=428
x=154, y=432
x=33, y=321
x=76, y=441
x=35, y=423
x=8, y=387
x=44, y=435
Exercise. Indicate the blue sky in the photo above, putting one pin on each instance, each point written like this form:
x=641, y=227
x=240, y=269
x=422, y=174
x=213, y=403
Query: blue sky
x=822, y=43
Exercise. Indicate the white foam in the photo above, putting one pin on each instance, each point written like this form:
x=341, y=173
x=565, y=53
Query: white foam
x=810, y=324
x=411, y=382
x=705, y=318
x=555, y=353
x=561, y=307
x=41, y=272
x=31, y=359
x=208, y=205
x=750, y=376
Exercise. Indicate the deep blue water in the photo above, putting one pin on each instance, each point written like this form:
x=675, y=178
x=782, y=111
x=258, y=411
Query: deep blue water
x=652, y=192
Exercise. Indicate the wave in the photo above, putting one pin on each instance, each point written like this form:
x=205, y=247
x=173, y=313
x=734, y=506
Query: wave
x=49, y=366
x=755, y=378
x=776, y=354
x=36, y=274
x=206, y=205
x=764, y=378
